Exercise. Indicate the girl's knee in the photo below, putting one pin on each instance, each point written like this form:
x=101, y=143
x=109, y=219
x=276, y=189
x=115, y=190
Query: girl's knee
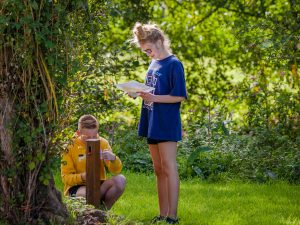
x=159, y=170
x=170, y=169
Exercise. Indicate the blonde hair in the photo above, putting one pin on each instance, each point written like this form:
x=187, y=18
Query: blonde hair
x=143, y=33
x=87, y=122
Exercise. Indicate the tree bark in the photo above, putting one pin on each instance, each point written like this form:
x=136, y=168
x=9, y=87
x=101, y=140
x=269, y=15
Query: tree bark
x=23, y=197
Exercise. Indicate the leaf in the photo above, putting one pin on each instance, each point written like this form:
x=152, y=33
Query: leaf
x=40, y=156
x=50, y=60
x=135, y=63
x=49, y=44
x=31, y=165
x=196, y=153
x=34, y=5
x=266, y=44
x=46, y=182
x=197, y=170
x=224, y=129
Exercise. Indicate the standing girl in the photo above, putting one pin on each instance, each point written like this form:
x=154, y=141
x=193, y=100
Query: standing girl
x=160, y=119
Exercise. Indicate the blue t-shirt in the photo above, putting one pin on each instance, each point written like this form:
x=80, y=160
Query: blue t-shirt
x=161, y=121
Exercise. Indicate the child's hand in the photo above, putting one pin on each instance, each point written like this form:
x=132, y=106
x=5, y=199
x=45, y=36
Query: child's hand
x=83, y=176
x=108, y=155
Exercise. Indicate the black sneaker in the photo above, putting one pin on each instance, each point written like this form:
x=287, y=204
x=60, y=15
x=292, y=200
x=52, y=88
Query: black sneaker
x=158, y=219
x=170, y=220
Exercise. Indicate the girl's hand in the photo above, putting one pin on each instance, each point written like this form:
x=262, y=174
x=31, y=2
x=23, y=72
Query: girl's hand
x=108, y=155
x=146, y=96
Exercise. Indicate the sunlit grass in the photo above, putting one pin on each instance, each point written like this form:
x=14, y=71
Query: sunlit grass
x=212, y=203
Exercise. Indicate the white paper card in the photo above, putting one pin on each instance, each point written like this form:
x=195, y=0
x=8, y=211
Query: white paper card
x=134, y=86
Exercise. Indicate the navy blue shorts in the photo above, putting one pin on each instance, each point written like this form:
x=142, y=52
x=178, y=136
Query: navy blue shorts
x=154, y=141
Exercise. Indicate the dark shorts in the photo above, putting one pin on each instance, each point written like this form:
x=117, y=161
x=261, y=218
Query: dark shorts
x=154, y=141
x=73, y=190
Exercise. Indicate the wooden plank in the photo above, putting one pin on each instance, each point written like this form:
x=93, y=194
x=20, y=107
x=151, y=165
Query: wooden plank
x=93, y=172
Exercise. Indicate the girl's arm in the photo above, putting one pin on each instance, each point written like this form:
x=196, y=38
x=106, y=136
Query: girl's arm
x=160, y=98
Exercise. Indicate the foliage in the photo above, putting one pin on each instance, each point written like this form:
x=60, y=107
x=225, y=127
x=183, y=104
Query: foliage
x=261, y=156
x=133, y=151
x=81, y=213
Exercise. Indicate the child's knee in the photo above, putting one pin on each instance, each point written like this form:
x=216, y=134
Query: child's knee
x=120, y=182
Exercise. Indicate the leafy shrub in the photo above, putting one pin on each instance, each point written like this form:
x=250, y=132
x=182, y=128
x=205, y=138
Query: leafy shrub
x=260, y=156
x=197, y=153
x=267, y=155
x=132, y=150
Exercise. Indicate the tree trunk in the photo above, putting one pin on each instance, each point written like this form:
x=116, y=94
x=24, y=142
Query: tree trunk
x=50, y=201
x=24, y=196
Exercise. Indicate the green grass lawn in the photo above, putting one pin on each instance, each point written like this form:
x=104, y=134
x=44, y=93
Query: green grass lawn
x=212, y=203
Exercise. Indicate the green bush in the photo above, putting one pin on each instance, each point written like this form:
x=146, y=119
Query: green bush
x=267, y=155
x=261, y=156
x=132, y=150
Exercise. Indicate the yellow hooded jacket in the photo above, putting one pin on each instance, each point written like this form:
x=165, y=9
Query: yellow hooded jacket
x=74, y=163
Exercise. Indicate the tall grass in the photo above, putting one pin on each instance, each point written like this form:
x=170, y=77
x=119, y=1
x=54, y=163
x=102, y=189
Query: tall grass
x=232, y=203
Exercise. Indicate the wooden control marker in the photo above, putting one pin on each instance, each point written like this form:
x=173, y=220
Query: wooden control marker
x=93, y=172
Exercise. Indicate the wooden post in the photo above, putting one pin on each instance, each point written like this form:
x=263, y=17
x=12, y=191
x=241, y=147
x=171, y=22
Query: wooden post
x=93, y=172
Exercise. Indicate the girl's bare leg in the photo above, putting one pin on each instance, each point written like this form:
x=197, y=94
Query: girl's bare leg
x=168, y=151
x=161, y=180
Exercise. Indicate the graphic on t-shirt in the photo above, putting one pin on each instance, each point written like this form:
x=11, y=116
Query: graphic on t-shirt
x=151, y=80
x=157, y=73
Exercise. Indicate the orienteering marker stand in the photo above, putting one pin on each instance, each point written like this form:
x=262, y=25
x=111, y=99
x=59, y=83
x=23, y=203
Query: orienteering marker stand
x=93, y=162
